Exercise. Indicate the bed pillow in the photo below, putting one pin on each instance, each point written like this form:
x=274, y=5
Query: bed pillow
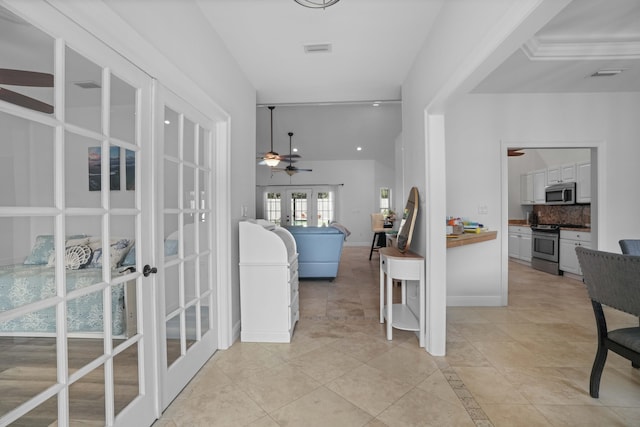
x=170, y=248
x=71, y=242
x=44, y=247
x=130, y=259
x=76, y=257
x=118, y=248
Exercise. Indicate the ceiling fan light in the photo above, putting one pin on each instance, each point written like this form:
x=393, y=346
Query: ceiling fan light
x=271, y=162
x=316, y=4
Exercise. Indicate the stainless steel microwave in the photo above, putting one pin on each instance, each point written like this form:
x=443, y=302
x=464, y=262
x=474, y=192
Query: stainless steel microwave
x=560, y=194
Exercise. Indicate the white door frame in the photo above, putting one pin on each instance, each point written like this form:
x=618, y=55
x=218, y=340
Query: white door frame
x=598, y=195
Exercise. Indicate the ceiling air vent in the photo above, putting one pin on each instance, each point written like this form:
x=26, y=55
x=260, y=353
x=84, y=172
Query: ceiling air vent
x=88, y=85
x=317, y=48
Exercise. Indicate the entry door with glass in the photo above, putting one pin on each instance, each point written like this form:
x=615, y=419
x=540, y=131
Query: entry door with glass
x=75, y=311
x=188, y=318
x=299, y=207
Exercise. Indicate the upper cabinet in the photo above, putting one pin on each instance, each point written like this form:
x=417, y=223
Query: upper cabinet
x=583, y=186
x=561, y=173
x=532, y=186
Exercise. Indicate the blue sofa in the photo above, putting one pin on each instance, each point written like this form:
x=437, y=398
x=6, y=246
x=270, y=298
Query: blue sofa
x=319, y=250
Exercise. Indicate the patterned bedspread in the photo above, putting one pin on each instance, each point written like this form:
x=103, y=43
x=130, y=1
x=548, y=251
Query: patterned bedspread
x=23, y=284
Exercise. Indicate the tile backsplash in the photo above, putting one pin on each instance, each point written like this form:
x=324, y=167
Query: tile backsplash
x=563, y=214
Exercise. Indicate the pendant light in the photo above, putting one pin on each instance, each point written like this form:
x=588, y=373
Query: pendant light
x=271, y=158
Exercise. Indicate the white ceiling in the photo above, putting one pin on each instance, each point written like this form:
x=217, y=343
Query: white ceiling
x=375, y=42
x=587, y=36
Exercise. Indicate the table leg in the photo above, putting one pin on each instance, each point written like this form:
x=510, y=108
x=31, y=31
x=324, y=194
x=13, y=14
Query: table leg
x=381, y=296
x=403, y=289
x=389, y=307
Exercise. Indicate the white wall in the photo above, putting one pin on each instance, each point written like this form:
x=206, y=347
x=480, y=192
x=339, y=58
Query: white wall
x=467, y=39
x=477, y=124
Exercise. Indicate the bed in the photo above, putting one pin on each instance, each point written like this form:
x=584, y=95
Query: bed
x=34, y=280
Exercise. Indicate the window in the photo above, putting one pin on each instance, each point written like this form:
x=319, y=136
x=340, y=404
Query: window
x=325, y=208
x=273, y=210
x=309, y=206
x=385, y=200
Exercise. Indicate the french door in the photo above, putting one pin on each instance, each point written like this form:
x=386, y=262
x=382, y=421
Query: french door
x=300, y=206
x=186, y=233
x=76, y=312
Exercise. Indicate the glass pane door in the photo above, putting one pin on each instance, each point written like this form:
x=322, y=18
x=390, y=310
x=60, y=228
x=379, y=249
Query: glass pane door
x=300, y=207
x=185, y=229
x=72, y=320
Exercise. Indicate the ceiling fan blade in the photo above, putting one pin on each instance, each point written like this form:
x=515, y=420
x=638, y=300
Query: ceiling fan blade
x=25, y=78
x=291, y=156
x=25, y=101
x=514, y=152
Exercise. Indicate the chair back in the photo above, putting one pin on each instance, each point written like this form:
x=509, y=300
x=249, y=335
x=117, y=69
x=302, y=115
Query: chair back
x=630, y=246
x=377, y=221
x=612, y=279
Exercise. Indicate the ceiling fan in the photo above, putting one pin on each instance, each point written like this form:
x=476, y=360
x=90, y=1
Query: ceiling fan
x=514, y=152
x=290, y=170
x=25, y=78
x=272, y=158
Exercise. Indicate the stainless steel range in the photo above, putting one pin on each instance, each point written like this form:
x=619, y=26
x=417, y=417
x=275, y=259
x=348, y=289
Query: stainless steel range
x=545, y=248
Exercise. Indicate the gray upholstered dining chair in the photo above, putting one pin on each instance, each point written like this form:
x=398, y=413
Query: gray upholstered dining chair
x=612, y=280
x=630, y=246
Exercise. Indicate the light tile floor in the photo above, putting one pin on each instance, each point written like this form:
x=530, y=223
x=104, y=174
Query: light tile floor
x=527, y=364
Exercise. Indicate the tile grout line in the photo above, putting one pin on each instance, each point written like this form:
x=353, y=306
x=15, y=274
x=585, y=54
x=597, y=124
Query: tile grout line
x=478, y=416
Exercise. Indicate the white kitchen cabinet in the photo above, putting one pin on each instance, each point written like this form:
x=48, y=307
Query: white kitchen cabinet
x=526, y=189
x=539, y=184
x=569, y=241
x=532, y=186
x=583, y=182
x=561, y=173
x=269, y=301
x=520, y=242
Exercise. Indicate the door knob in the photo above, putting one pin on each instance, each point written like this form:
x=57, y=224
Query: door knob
x=147, y=270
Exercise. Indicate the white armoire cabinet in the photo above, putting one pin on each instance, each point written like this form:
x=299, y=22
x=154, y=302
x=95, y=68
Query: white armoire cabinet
x=269, y=302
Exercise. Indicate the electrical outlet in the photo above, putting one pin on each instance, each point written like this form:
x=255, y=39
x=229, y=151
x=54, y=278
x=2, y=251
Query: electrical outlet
x=483, y=209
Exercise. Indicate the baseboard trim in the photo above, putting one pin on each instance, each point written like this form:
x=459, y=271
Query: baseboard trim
x=471, y=301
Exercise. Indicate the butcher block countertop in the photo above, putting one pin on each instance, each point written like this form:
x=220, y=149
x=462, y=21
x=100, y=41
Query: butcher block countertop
x=453, y=240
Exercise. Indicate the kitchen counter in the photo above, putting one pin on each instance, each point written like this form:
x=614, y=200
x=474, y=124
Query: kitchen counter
x=583, y=229
x=455, y=240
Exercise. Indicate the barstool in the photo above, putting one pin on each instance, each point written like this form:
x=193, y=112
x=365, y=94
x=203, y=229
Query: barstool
x=379, y=233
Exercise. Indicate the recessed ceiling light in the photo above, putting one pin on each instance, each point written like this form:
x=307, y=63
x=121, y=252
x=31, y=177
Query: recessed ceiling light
x=295, y=150
x=376, y=104
x=167, y=122
x=607, y=73
x=358, y=148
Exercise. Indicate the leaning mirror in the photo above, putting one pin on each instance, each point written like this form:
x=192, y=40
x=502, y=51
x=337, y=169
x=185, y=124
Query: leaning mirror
x=408, y=221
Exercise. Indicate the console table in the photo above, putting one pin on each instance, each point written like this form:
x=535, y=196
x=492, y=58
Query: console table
x=402, y=266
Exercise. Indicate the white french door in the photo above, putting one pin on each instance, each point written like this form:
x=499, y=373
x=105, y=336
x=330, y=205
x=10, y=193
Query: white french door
x=185, y=231
x=76, y=333
x=299, y=207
